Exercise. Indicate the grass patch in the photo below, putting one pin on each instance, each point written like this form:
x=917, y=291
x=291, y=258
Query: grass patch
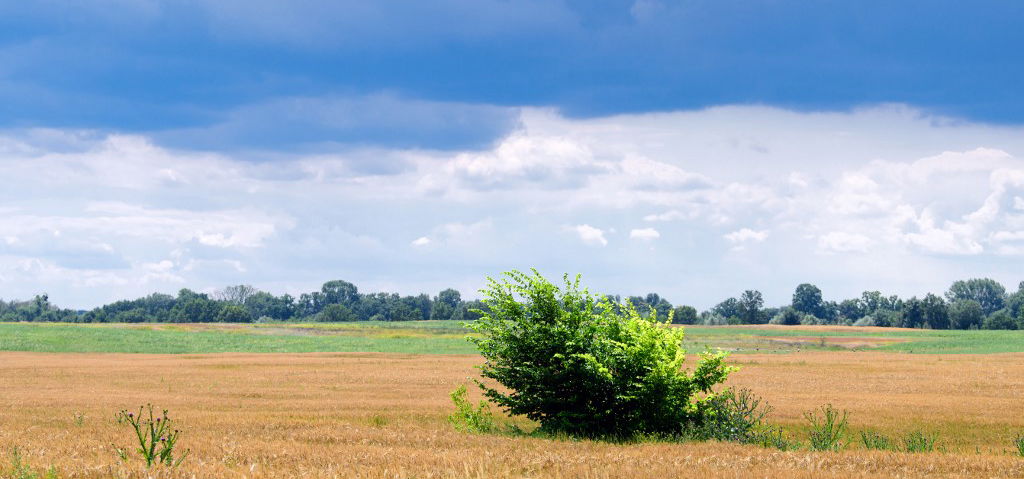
x=448, y=337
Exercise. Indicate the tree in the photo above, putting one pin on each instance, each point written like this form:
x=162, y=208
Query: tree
x=913, y=314
x=966, y=314
x=565, y=359
x=233, y=313
x=787, y=316
x=447, y=305
x=728, y=309
x=335, y=313
x=936, y=312
x=236, y=294
x=999, y=320
x=851, y=309
x=807, y=300
x=988, y=293
x=750, y=305
x=339, y=292
x=684, y=315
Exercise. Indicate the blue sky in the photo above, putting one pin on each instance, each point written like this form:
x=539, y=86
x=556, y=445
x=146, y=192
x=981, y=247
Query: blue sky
x=693, y=148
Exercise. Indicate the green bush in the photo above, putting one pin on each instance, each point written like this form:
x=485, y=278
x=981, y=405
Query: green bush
x=1018, y=442
x=827, y=430
x=582, y=366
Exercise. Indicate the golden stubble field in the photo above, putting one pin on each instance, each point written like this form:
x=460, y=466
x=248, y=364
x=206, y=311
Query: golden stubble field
x=379, y=415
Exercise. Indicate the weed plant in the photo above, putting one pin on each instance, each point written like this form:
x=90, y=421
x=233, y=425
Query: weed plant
x=874, y=440
x=21, y=470
x=739, y=416
x=156, y=438
x=827, y=430
x=1018, y=442
x=918, y=441
x=468, y=418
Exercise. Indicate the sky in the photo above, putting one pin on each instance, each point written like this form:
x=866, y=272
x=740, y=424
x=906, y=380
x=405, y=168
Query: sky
x=691, y=148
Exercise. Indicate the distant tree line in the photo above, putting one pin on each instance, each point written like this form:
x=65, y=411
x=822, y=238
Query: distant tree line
x=968, y=304
x=336, y=301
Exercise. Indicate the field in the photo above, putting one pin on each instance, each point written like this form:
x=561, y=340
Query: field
x=282, y=406
x=448, y=337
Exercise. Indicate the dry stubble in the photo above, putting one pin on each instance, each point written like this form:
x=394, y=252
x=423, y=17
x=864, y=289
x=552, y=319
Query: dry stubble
x=376, y=416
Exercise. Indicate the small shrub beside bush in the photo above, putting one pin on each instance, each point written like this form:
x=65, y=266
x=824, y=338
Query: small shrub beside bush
x=467, y=418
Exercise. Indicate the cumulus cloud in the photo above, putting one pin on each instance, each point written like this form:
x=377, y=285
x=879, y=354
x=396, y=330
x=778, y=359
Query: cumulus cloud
x=843, y=242
x=859, y=192
x=644, y=234
x=590, y=235
x=745, y=235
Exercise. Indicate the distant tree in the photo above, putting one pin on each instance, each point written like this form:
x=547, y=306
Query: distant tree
x=233, y=313
x=913, y=314
x=335, y=313
x=236, y=294
x=787, y=316
x=749, y=307
x=807, y=300
x=966, y=314
x=988, y=293
x=728, y=309
x=684, y=315
x=339, y=292
x=873, y=301
x=447, y=305
x=192, y=307
x=1015, y=302
x=936, y=312
x=999, y=320
x=263, y=304
x=851, y=309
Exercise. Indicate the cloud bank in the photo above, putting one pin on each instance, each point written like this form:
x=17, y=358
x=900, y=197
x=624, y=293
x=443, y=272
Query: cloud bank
x=696, y=205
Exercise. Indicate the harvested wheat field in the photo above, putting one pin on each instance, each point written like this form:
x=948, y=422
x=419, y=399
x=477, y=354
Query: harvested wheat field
x=384, y=416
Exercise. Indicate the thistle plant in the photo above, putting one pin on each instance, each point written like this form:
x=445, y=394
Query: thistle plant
x=155, y=435
x=828, y=430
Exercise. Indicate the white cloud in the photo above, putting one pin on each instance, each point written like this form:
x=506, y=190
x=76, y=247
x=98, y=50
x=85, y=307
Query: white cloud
x=644, y=234
x=746, y=235
x=590, y=235
x=843, y=242
x=897, y=200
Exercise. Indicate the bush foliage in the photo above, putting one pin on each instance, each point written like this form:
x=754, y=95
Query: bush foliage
x=581, y=365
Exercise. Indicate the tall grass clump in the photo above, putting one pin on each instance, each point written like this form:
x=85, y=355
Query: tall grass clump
x=827, y=430
x=1018, y=442
x=156, y=437
x=583, y=366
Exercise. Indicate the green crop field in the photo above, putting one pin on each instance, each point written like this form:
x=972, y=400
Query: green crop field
x=445, y=337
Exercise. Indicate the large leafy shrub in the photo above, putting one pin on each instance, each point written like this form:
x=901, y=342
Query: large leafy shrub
x=579, y=365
